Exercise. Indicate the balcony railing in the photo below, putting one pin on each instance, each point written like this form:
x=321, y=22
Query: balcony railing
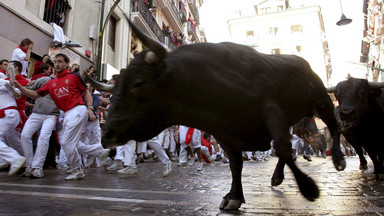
x=148, y=17
x=174, y=11
x=182, y=11
x=55, y=11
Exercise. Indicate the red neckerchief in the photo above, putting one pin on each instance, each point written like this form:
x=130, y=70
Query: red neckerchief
x=24, y=50
x=188, y=138
x=67, y=71
x=1, y=71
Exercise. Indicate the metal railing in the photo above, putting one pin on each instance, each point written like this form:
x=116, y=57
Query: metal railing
x=148, y=17
x=174, y=11
x=55, y=10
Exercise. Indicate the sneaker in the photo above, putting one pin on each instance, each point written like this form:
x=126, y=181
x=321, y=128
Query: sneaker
x=69, y=171
x=116, y=165
x=27, y=172
x=167, y=169
x=103, y=157
x=307, y=157
x=218, y=157
x=62, y=167
x=3, y=164
x=77, y=174
x=90, y=160
x=16, y=165
x=37, y=173
x=210, y=159
x=128, y=171
x=199, y=166
x=181, y=164
x=191, y=161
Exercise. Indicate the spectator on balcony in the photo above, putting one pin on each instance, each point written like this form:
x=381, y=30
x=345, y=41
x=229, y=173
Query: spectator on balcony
x=135, y=5
x=22, y=54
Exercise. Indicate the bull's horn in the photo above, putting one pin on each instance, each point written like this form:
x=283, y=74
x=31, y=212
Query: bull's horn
x=376, y=84
x=99, y=85
x=153, y=45
x=331, y=89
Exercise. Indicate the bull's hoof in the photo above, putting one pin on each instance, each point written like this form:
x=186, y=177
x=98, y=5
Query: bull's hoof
x=379, y=176
x=276, y=181
x=340, y=166
x=230, y=205
x=363, y=167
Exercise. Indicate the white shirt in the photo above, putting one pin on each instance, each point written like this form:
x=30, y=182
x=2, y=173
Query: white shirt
x=19, y=55
x=6, y=98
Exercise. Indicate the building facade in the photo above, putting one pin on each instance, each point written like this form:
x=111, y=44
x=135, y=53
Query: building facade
x=81, y=22
x=278, y=28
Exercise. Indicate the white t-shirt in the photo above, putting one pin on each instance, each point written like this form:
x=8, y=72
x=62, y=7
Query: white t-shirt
x=19, y=55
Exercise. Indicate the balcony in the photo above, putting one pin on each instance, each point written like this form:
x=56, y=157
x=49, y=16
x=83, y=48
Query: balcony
x=192, y=6
x=172, y=14
x=182, y=12
x=145, y=20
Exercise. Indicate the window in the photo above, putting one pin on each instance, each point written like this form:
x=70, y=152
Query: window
x=55, y=11
x=298, y=49
x=273, y=31
x=275, y=51
x=112, y=32
x=296, y=28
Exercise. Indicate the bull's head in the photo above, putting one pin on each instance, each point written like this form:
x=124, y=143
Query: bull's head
x=138, y=106
x=353, y=96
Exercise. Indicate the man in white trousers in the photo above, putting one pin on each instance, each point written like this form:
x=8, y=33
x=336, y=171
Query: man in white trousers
x=156, y=145
x=67, y=91
x=44, y=118
x=9, y=119
x=190, y=140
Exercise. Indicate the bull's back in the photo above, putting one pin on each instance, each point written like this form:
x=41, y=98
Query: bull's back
x=234, y=81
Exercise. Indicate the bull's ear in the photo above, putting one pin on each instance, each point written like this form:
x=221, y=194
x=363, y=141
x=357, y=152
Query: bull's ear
x=151, y=58
x=116, y=76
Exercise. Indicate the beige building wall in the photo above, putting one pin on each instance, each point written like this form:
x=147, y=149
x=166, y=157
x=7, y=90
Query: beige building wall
x=269, y=32
x=25, y=19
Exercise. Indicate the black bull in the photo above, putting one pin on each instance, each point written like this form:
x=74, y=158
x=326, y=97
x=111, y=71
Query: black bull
x=361, y=116
x=242, y=97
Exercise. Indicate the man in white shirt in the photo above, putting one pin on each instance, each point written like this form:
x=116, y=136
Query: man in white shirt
x=22, y=54
x=9, y=119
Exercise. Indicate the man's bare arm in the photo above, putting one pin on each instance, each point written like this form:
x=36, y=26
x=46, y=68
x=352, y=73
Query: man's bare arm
x=27, y=92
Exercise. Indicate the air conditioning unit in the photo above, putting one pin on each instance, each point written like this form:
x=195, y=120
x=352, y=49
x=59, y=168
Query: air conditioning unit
x=92, y=32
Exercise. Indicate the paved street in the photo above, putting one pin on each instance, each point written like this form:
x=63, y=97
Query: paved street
x=188, y=192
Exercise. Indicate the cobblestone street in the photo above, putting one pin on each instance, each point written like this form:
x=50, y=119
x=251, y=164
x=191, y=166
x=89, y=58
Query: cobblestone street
x=188, y=192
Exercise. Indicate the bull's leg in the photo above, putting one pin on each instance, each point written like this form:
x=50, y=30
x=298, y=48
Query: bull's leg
x=325, y=111
x=278, y=174
x=235, y=197
x=278, y=128
x=360, y=152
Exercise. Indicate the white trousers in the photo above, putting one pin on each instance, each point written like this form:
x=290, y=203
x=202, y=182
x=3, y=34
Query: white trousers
x=91, y=133
x=46, y=124
x=129, y=153
x=159, y=151
x=7, y=124
x=172, y=144
x=196, y=137
x=141, y=147
x=73, y=123
x=119, y=153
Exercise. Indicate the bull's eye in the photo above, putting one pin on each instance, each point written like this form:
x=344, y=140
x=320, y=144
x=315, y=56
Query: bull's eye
x=138, y=84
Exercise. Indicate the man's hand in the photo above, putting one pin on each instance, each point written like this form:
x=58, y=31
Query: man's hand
x=16, y=84
x=91, y=114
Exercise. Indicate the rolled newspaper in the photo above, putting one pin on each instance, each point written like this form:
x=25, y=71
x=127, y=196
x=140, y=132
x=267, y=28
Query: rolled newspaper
x=11, y=73
x=11, y=89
